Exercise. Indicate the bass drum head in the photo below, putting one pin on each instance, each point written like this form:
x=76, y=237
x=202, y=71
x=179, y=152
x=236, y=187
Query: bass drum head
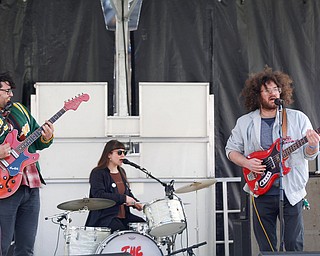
x=131, y=242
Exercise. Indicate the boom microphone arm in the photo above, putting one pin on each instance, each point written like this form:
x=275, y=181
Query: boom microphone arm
x=168, y=186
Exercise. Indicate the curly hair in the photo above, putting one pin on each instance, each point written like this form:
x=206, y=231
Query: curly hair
x=252, y=88
x=6, y=77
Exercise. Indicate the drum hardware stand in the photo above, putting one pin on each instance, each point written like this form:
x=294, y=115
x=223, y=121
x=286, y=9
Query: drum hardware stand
x=197, y=220
x=59, y=218
x=168, y=186
x=189, y=249
x=169, y=241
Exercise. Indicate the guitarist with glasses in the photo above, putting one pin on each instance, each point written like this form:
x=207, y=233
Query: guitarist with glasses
x=19, y=190
x=254, y=145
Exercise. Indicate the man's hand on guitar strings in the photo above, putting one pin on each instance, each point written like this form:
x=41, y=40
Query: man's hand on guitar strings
x=5, y=150
x=255, y=165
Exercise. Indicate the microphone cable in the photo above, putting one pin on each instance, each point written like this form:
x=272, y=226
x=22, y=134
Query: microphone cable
x=261, y=224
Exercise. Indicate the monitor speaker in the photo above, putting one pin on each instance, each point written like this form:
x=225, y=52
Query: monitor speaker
x=289, y=253
x=108, y=254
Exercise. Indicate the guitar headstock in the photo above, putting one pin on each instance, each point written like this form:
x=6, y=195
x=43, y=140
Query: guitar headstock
x=76, y=101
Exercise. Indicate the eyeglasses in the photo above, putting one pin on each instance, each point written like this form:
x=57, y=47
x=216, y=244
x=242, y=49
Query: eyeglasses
x=8, y=91
x=272, y=90
x=120, y=152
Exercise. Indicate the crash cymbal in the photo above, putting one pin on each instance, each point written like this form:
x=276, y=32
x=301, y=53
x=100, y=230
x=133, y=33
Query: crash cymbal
x=195, y=186
x=86, y=204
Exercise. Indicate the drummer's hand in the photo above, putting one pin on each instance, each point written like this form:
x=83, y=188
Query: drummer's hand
x=138, y=206
x=130, y=201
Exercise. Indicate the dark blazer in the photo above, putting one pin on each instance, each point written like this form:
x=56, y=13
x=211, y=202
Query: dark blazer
x=103, y=186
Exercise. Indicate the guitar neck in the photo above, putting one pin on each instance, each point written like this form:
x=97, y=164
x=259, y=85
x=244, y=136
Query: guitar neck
x=37, y=133
x=297, y=145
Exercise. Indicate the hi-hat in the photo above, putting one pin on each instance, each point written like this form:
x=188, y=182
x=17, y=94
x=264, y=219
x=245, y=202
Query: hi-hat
x=196, y=186
x=86, y=204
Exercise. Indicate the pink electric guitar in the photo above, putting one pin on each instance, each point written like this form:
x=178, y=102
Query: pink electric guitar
x=11, y=167
x=259, y=184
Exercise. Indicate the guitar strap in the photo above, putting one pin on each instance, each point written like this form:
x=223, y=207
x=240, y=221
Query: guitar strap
x=284, y=123
x=14, y=122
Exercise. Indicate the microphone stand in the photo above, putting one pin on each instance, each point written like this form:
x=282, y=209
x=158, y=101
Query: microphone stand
x=281, y=192
x=188, y=249
x=169, y=189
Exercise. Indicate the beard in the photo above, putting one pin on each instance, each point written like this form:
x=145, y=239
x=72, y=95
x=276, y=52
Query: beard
x=268, y=105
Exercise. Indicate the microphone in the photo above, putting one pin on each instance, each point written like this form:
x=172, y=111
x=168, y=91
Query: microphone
x=278, y=102
x=126, y=161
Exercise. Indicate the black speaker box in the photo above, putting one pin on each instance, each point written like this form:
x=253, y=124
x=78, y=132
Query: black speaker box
x=242, y=243
x=289, y=253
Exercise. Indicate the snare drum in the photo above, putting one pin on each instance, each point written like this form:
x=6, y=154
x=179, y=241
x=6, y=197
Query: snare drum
x=165, y=217
x=140, y=227
x=84, y=240
x=131, y=242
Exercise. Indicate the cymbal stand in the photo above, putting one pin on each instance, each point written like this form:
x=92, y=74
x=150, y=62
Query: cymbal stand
x=57, y=219
x=189, y=249
x=197, y=220
x=67, y=234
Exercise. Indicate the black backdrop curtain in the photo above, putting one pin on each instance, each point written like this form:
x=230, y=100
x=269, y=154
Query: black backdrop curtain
x=216, y=41
x=55, y=41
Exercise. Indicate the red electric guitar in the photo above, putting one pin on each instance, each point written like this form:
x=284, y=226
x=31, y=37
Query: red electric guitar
x=11, y=167
x=259, y=184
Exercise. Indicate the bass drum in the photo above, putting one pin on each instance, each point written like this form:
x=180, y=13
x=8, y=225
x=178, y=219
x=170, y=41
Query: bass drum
x=131, y=242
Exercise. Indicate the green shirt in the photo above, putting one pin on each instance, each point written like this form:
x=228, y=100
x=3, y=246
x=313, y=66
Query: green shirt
x=22, y=121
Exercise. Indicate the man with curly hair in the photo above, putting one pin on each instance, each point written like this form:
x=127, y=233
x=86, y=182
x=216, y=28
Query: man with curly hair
x=257, y=131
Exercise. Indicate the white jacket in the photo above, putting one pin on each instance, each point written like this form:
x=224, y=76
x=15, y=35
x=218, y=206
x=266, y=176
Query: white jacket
x=245, y=139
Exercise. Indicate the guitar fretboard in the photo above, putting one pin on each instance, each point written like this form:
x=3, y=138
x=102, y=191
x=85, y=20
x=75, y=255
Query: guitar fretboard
x=37, y=133
x=294, y=147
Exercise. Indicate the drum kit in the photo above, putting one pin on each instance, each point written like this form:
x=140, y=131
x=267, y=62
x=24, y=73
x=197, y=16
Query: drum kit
x=165, y=219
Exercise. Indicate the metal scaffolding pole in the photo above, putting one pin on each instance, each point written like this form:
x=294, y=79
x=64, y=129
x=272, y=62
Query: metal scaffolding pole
x=125, y=11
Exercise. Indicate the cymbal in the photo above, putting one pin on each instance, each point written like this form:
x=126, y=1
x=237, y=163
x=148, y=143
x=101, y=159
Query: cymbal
x=196, y=186
x=87, y=204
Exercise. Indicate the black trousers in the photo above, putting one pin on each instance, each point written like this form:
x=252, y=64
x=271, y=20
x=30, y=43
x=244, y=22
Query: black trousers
x=265, y=215
x=122, y=224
